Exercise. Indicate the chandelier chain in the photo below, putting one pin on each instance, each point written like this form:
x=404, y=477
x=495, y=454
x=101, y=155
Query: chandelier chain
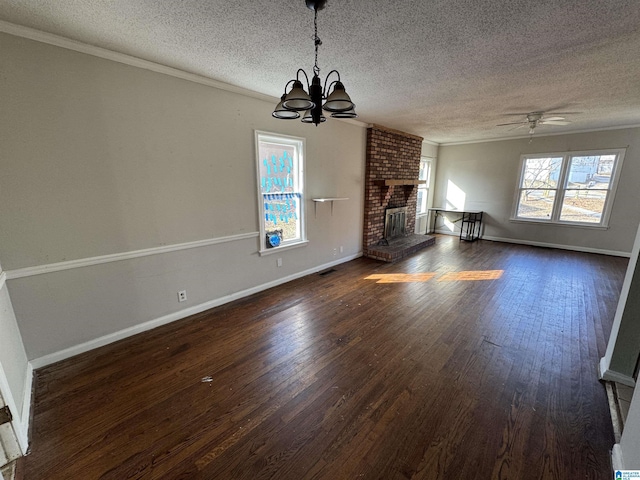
x=316, y=40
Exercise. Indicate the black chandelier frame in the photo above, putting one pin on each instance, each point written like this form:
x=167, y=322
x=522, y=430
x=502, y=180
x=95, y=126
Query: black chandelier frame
x=297, y=100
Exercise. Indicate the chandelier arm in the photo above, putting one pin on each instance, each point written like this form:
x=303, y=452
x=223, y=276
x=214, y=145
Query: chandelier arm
x=305, y=76
x=325, y=92
x=287, y=85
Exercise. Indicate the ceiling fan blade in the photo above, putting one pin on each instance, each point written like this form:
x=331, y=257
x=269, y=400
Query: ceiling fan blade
x=546, y=119
x=554, y=122
x=519, y=126
x=564, y=113
x=512, y=123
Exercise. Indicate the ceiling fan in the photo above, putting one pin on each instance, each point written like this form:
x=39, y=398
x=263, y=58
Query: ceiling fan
x=533, y=119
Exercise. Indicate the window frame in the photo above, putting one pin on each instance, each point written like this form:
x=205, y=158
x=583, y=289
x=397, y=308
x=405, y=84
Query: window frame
x=299, y=144
x=562, y=187
x=426, y=187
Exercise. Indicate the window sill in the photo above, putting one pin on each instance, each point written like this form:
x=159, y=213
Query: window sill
x=289, y=246
x=559, y=224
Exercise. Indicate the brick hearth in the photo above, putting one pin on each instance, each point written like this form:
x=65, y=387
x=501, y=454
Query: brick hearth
x=400, y=248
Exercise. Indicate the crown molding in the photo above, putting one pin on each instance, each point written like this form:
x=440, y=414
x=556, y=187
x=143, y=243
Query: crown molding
x=520, y=137
x=63, y=42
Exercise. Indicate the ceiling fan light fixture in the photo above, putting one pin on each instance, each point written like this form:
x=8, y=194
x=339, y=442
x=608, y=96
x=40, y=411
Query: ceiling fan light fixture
x=534, y=119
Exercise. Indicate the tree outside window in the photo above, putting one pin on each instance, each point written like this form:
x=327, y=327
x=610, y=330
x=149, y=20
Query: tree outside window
x=568, y=188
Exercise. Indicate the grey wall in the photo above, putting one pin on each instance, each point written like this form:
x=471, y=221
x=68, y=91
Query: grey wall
x=101, y=158
x=487, y=173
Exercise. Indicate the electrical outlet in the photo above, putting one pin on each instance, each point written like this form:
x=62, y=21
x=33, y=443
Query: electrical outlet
x=182, y=296
x=335, y=252
x=279, y=262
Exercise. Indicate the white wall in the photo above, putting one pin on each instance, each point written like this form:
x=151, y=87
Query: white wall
x=101, y=159
x=15, y=375
x=486, y=174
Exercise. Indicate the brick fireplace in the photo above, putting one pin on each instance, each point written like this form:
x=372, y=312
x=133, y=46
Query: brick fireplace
x=391, y=181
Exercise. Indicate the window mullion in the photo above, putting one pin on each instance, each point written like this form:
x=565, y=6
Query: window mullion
x=561, y=188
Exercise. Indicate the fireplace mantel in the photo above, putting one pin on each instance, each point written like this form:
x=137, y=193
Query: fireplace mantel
x=387, y=187
x=397, y=182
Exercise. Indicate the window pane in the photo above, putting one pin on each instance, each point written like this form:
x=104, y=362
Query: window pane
x=282, y=212
x=277, y=169
x=541, y=172
x=423, y=193
x=536, y=203
x=583, y=205
x=425, y=171
x=590, y=172
x=281, y=188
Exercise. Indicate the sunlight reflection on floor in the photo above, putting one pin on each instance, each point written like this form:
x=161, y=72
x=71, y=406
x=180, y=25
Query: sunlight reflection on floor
x=471, y=275
x=401, y=277
x=446, y=277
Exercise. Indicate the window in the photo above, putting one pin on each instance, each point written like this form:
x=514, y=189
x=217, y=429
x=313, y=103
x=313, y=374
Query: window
x=280, y=190
x=575, y=188
x=423, y=189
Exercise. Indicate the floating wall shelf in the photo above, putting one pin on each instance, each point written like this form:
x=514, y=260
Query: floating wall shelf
x=324, y=200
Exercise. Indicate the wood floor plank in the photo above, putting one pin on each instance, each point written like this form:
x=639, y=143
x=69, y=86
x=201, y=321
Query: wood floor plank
x=466, y=360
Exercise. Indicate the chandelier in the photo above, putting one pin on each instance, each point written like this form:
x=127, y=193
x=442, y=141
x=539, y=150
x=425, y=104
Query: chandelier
x=336, y=100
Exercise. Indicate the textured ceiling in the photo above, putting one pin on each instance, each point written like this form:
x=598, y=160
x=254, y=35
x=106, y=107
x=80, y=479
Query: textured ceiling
x=447, y=70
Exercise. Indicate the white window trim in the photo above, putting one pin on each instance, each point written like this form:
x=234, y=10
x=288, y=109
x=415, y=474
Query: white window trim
x=301, y=144
x=560, y=191
x=430, y=161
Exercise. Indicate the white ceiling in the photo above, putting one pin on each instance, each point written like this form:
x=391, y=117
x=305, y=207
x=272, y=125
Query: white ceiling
x=447, y=70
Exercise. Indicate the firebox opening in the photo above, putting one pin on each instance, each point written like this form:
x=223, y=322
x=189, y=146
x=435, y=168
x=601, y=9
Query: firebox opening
x=395, y=223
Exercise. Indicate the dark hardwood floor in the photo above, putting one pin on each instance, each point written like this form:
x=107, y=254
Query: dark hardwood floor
x=465, y=361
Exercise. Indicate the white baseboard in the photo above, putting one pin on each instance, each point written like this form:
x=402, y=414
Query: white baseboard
x=172, y=317
x=575, y=248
